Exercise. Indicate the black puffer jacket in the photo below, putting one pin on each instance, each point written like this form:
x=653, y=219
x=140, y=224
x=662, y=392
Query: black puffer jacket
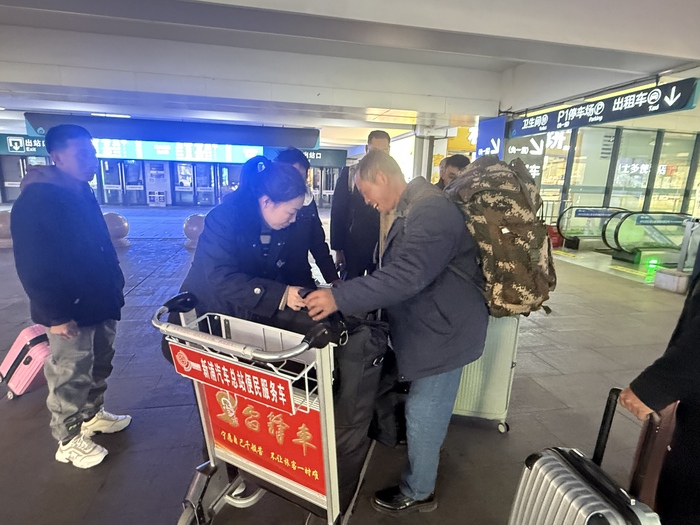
x=63, y=254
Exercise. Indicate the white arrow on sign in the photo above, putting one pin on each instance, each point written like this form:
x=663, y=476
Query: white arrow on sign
x=537, y=149
x=495, y=146
x=672, y=98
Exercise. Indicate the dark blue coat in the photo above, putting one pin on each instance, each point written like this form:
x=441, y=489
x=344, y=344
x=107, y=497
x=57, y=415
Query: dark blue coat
x=437, y=319
x=229, y=272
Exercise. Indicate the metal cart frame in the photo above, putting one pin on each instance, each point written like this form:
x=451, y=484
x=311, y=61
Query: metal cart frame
x=201, y=347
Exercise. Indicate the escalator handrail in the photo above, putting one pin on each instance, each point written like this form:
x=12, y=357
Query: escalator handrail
x=605, y=229
x=617, y=229
x=563, y=213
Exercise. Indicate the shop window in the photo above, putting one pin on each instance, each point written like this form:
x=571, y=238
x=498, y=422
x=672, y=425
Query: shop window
x=672, y=173
x=590, y=168
x=633, y=169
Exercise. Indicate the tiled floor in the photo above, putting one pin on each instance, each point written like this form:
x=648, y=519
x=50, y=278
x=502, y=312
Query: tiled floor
x=603, y=330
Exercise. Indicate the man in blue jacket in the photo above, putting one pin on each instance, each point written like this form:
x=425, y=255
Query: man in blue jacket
x=70, y=271
x=437, y=319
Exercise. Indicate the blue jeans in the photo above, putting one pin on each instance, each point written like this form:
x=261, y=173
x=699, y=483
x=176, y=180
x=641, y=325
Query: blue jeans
x=428, y=412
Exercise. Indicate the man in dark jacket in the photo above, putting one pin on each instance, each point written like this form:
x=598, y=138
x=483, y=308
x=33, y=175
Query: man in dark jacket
x=452, y=166
x=437, y=319
x=306, y=235
x=354, y=225
x=70, y=271
x=676, y=377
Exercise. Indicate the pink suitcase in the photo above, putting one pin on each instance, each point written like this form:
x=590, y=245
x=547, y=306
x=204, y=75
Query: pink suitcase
x=22, y=370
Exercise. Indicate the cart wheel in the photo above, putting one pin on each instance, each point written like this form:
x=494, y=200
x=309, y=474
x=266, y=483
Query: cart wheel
x=10, y=395
x=188, y=516
x=503, y=428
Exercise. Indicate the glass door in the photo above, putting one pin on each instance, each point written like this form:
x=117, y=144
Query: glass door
x=112, y=187
x=134, y=187
x=228, y=178
x=184, y=184
x=204, y=184
x=633, y=169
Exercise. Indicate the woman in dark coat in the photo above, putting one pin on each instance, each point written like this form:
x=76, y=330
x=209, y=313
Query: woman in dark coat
x=239, y=265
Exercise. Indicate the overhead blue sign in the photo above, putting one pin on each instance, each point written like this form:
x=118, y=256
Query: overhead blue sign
x=175, y=151
x=642, y=103
x=491, y=137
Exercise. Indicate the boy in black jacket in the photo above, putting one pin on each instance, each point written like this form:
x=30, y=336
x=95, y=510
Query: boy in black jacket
x=70, y=271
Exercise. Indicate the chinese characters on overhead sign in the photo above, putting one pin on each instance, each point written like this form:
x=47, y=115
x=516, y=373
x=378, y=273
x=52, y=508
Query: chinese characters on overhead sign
x=22, y=145
x=661, y=99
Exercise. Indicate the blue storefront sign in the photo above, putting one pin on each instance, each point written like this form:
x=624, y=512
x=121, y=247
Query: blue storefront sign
x=675, y=96
x=491, y=137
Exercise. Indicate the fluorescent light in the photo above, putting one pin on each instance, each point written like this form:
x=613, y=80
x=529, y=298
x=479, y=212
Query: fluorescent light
x=2, y=109
x=111, y=115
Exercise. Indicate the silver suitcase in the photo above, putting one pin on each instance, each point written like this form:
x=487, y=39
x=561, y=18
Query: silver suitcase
x=484, y=390
x=561, y=486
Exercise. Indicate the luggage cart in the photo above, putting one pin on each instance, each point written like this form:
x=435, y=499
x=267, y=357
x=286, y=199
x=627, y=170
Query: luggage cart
x=265, y=399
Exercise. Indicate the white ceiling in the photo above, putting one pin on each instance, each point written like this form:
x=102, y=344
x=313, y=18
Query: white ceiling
x=277, y=30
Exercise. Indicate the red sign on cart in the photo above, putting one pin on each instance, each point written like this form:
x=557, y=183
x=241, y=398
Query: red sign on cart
x=258, y=385
x=287, y=445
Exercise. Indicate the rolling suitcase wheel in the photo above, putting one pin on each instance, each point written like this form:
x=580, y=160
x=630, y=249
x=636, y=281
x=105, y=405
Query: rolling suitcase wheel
x=10, y=395
x=503, y=428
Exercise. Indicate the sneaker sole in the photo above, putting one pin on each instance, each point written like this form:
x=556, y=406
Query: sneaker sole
x=63, y=459
x=423, y=507
x=91, y=433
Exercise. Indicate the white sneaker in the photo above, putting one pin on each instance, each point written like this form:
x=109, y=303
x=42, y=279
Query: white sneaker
x=81, y=451
x=105, y=423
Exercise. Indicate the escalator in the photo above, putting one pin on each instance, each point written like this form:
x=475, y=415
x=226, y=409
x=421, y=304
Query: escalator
x=582, y=226
x=645, y=237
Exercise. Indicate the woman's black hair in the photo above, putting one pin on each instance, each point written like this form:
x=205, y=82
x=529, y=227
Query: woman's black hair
x=280, y=182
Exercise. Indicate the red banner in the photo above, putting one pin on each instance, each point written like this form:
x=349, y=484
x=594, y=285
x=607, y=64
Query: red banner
x=288, y=445
x=253, y=383
x=249, y=423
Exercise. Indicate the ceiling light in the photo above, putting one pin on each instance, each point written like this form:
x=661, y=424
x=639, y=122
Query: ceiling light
x=110, y=115
x=2, y=109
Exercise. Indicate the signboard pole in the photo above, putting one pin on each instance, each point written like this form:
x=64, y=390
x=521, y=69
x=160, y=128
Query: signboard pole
x=570, y=159
x=690, y=183
x=655, y=157
x=612, y=169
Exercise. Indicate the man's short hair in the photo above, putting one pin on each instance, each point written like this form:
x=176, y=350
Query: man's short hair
x=57, y=137
x=293, y=156
x=458, y=161
x=378, y=134
x=376, y=161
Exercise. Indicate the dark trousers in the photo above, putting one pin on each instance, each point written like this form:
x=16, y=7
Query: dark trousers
x=678, y=495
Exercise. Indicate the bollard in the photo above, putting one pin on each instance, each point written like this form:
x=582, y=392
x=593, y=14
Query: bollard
x=193, y=226
x=5, y=234
x=118, y=228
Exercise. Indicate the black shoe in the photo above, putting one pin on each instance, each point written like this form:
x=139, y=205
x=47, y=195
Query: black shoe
x=392, y=501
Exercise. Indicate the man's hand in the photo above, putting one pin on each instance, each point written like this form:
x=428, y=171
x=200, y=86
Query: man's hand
x=340, y=261
x=68, y=330
x=294, y=300
x=321, y=304
x=631, y=402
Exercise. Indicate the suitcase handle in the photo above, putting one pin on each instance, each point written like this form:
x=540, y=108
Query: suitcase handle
x=606, y=425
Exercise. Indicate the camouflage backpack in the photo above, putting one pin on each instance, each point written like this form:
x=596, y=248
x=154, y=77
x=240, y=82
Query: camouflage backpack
x=499, y=203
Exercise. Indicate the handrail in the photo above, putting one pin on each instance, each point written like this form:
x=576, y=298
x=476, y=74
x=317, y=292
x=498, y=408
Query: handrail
x=651, y=228
x=600, y=215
